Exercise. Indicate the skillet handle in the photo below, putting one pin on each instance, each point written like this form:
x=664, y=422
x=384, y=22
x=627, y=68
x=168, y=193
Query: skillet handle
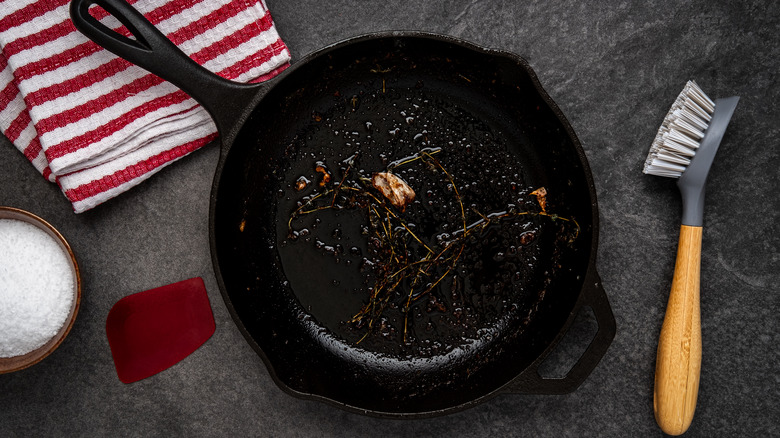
x=150, y=49
x=593, y=296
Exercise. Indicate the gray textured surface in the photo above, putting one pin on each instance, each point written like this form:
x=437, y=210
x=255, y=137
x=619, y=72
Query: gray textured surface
x=613, y=68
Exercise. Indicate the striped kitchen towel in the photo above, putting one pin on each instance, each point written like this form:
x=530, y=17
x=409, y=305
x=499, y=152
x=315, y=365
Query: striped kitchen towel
x=97, y=125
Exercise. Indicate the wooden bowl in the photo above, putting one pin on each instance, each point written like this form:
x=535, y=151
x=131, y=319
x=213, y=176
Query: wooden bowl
x=10, y=364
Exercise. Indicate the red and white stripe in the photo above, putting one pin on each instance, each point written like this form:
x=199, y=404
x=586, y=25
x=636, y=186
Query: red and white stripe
x=98, y=125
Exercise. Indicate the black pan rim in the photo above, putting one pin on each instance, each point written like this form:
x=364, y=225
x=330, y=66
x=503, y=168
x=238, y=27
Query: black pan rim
x=264, y=88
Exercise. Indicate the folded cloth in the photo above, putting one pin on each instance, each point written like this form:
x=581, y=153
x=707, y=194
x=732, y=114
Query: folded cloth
x=98, y=125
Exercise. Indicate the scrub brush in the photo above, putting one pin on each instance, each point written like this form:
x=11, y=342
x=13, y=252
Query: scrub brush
x=685, y=148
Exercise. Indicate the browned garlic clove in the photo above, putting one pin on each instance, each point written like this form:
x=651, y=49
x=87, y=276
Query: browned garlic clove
x=394, y=189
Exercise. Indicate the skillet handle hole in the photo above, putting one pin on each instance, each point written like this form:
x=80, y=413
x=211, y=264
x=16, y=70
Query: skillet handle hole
x=107, y=19
x=571, y=348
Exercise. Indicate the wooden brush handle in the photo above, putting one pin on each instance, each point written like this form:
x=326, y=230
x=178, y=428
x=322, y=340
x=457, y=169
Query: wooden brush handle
x=679, y=347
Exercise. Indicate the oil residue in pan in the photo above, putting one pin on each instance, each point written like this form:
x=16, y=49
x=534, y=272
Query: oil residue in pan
x=333, y=242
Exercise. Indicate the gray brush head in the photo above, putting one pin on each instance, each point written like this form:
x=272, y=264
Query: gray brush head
x=686, y=143
x=680, y=134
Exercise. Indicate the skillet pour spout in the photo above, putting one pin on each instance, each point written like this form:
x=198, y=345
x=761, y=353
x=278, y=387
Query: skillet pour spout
x=459, y=118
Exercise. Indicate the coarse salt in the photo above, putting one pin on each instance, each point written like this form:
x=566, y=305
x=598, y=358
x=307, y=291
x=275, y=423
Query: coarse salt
x=36, y=287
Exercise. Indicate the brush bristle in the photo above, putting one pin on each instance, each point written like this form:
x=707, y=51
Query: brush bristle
x=678, y=137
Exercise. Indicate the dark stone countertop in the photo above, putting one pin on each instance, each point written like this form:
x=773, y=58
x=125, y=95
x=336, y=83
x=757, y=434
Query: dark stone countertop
x=613, y=68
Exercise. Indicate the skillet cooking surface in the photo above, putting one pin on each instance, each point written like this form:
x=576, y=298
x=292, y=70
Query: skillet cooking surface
x=378, y=101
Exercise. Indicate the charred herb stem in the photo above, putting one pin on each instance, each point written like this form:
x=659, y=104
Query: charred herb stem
x=394, y=241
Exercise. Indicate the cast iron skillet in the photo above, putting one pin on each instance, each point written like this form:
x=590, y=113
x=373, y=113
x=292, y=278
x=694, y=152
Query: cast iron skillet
x=384, y=95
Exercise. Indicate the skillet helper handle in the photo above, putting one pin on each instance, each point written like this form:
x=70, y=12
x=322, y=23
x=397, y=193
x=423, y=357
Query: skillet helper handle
x=678, y=364
x=593, y=296
x=153, y=51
